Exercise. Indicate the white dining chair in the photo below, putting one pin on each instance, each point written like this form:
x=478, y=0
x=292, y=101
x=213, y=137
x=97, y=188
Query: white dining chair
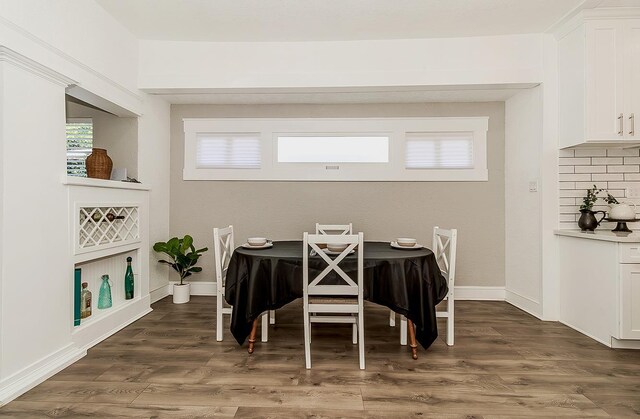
x=334, y=228
x=444, y=248
x=335, y=303
x=223, y=247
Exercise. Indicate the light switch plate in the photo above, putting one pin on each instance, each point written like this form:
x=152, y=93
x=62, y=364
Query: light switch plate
x=533, y=186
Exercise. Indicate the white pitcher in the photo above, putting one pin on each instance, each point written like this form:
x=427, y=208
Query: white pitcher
x=622, y=211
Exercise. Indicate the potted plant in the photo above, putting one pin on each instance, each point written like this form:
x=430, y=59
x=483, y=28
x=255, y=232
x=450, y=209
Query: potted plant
x=183, y=258
x=588, y=221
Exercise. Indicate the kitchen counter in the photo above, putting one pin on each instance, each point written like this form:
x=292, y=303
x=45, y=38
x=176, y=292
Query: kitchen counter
x=604, y=235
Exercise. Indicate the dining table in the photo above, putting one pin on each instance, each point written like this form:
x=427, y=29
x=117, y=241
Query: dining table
x=408, y=281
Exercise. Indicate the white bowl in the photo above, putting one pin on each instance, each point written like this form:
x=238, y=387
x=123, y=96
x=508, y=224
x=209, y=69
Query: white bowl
x=336, y=247
x=406, y=242
x=257, y=241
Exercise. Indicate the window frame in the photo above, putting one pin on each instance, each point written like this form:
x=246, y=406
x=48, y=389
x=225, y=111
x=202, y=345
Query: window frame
x=394, y=170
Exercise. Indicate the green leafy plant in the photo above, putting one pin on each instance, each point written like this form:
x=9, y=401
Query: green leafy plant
x=183, y=255
x=590, y=199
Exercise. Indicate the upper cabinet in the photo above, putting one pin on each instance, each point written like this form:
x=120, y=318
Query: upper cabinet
x=599, y=83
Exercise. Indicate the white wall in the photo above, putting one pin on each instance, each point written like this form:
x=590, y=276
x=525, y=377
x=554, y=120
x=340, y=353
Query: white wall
x=76, y=38
x=36, y=274
x=444, y=61
x=66, y=42
x=523, y=215
x=153, y=169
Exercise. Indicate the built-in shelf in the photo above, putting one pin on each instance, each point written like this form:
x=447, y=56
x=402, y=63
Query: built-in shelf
x=101, y=183
x=99, y=314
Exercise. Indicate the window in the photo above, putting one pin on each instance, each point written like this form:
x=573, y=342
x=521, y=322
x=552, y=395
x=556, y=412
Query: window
x=439, y=150
x=79, y=144
x=333, y=149
x=228, y=151
x=336, y=149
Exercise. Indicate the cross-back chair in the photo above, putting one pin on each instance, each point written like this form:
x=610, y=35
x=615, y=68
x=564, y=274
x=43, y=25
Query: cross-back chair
x=444, y=248
x=223, y=247
x=333, y=303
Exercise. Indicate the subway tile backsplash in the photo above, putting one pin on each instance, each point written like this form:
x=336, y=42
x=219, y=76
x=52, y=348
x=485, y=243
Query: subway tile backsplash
x=613, y=169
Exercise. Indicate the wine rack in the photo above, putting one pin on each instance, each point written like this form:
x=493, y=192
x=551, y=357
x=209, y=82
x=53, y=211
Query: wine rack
x=106, y=226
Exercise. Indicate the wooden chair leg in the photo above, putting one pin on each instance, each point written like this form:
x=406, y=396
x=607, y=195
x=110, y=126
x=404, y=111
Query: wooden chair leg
x=252, y=335
x=412, y=339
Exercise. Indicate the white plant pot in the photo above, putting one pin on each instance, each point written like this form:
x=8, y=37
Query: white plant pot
x=181, y=293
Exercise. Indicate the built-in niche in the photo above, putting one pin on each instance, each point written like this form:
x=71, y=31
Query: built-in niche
x=90, y=126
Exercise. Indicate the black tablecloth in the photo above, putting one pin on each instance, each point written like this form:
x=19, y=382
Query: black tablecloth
x=407, y=281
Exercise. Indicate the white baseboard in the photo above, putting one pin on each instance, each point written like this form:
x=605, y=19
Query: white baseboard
x=463, y=292
x=159, y=293
x=527, y=304
x=198, y=288
x=625, y=343
x=29, y=377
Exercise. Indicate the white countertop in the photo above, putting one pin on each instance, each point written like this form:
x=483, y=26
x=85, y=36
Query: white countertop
x=605, y=235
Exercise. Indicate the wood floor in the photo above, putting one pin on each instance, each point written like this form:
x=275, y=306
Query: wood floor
x=504, y=364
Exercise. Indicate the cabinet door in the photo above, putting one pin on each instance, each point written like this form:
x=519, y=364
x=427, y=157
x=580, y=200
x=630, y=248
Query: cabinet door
x=629, y=301
x=604, y=87
x=631, y=66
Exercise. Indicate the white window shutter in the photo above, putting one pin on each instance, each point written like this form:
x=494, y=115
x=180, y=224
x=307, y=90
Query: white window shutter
x=439, y=150
x=79, y=145
x=228, y=151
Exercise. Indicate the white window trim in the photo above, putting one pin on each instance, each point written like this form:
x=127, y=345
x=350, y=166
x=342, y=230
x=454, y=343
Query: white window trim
x=394, y=170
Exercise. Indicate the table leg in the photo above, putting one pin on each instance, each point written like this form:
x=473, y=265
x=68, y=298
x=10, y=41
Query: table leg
x=412, y=339
x=252, y=335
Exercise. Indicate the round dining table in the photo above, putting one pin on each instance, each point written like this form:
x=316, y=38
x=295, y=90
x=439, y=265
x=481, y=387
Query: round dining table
x=408, y=281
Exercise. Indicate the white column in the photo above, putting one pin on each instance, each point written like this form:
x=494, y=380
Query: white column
x=37, y=277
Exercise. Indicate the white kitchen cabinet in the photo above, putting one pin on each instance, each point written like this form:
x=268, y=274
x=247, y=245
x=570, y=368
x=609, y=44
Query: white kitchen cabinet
x=600, y=286
x=599, y=82
x=629, y=301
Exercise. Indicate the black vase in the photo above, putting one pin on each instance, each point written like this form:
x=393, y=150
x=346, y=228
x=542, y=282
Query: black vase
x=588, y=221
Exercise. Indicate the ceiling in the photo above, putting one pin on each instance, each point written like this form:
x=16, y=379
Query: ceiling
x=334, y=20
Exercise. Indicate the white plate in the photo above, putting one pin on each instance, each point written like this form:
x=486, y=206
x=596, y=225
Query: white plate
x=330, y=252
x=264, y=246
x=416, y=246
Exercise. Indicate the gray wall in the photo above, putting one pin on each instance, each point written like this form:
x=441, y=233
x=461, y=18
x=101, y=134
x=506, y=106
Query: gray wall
x=382, y=210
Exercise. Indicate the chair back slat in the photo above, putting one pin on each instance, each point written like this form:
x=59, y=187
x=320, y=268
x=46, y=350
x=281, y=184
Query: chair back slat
x=223, y=246
x=342, y=229
x=444, y=249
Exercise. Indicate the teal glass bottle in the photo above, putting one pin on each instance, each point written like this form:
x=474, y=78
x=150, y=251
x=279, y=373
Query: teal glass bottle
x=128, y=281
x=104, y=298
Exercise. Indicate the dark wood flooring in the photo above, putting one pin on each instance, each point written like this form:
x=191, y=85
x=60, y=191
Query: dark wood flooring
x=505, y=364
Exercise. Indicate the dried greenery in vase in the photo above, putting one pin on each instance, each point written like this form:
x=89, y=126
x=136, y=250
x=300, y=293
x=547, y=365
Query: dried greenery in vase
x=611, y=199
x=590, y=199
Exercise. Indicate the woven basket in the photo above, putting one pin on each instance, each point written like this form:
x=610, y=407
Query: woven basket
x=99, y=164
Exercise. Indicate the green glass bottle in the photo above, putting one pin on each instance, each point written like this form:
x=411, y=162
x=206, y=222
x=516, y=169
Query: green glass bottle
x=128, y=281
x=104, y=298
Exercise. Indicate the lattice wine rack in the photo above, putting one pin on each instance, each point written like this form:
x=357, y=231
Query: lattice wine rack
x=105, y=226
